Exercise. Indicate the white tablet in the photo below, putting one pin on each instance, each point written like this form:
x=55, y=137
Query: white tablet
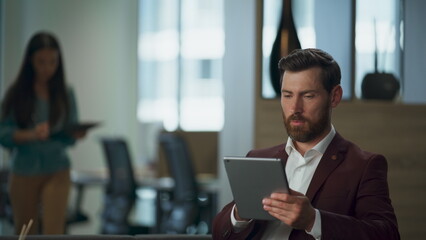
x=251, y=180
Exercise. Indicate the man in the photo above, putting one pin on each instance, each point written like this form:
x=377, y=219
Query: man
x=338, y=191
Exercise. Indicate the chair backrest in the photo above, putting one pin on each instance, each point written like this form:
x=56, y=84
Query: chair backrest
x=5, y=206
x=121, y=178
x=180, y=166
x=120, y=191
x=183, y=214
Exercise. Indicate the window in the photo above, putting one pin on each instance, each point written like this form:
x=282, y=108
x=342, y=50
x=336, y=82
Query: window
x=181, y=46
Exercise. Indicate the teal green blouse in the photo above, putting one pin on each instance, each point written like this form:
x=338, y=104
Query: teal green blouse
x=40, y=157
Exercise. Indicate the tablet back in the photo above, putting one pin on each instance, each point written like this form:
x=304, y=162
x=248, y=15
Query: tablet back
x=252, y=179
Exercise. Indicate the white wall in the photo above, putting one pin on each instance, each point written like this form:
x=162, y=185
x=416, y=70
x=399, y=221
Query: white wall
x=99, y=43
x=239, y=78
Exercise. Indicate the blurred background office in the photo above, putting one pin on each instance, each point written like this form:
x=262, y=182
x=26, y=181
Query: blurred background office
x=141, y=66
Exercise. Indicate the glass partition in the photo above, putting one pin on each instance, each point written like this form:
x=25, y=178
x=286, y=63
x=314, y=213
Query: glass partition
x=378, y=49
x=319, y=24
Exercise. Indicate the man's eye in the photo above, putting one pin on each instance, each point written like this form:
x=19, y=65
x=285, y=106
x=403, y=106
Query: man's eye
x=309, y=96
x=286, y=96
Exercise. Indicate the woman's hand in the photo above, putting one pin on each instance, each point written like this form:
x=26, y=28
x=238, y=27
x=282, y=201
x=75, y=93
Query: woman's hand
x=42, y=131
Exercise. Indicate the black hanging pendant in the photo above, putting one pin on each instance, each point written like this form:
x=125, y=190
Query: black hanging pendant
x=285, y=42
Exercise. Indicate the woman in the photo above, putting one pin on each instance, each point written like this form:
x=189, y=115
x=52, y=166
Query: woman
x=36, y=109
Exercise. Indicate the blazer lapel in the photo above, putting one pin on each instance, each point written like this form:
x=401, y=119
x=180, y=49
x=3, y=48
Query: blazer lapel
x=282, y=154
x=332, y=157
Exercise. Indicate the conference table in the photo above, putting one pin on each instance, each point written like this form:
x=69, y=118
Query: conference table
x=144, y=178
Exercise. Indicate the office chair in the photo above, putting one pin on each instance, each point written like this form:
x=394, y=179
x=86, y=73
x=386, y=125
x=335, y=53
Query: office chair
x=76, y=214
x=182, y=210
x=5, y=206
x=120, y=191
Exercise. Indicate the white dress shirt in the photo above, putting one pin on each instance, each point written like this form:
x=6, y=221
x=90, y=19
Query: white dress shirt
x=300, y=170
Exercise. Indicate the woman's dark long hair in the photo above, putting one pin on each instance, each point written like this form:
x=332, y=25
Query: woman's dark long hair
x=20, y=98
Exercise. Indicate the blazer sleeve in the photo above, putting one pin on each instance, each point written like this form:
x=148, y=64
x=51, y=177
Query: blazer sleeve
x=223, y=229
x=373, y=216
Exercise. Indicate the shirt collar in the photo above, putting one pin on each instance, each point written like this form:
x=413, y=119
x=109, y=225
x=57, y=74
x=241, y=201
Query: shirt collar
x=319, y=147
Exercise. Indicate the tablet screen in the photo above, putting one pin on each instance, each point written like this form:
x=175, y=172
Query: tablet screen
x=251, y=180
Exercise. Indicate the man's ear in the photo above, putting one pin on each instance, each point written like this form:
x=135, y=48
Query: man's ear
x=336, y=96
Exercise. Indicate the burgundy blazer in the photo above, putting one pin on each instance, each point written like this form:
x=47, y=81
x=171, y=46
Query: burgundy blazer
x=349, y=188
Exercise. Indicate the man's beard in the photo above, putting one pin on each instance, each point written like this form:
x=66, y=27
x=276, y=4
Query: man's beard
x=310, y=130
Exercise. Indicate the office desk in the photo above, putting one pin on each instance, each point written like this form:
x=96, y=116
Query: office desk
x=86, y=178
x=163, y=187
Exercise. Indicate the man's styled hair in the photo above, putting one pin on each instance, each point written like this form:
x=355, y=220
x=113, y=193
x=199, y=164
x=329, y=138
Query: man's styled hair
x=302, y=59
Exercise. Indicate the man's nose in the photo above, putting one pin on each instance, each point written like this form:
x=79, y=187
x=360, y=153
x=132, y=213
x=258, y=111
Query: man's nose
x=297, y=105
